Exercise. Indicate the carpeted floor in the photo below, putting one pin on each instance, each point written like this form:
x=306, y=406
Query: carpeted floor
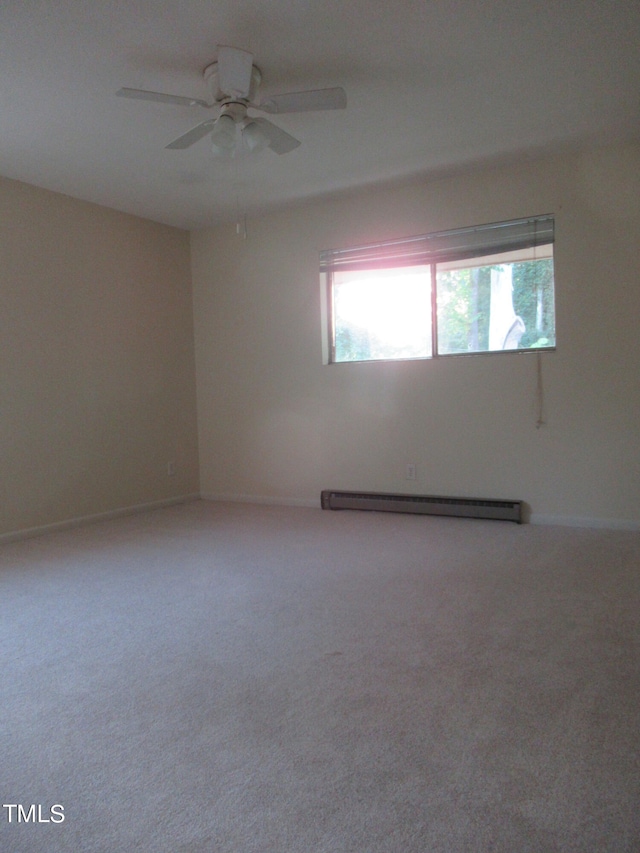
x=215, y=678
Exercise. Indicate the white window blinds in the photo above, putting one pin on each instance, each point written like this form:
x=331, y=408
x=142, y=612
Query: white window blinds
x=443, y=245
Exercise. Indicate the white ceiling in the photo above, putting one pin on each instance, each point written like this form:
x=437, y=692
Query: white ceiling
x=432, y=85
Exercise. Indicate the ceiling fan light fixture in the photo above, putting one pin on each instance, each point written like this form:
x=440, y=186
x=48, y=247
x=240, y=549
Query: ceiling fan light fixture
x=253, y=137
x=223, y=136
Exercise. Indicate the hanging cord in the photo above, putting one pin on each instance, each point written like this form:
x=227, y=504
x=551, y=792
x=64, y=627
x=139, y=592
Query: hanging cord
x=540, y=421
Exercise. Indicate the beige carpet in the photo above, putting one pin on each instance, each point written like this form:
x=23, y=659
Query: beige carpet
x=245, y=679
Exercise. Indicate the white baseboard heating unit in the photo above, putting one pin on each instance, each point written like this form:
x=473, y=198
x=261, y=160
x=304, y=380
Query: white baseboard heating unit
x=500, y=510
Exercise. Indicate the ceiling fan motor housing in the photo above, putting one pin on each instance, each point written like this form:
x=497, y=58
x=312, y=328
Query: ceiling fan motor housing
x=211, y=79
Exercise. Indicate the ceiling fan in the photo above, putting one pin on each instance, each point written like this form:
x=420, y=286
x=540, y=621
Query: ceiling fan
x=233, y=82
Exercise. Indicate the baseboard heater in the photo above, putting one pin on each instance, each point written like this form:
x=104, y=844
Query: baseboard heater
x=424, y=505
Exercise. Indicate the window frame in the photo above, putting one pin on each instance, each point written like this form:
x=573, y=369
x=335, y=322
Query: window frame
x=457, y=245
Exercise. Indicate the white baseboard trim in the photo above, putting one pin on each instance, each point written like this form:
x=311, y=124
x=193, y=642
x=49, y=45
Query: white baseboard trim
x=262, y=499
x=534, y=518
x=270, y=500
x=40, y=530
x=595, y=523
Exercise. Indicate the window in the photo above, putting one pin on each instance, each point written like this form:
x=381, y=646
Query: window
x=473, y=290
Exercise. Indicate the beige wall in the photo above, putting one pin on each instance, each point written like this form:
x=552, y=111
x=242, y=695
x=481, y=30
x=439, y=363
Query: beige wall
x=97, y=388
x=96, y=346
x=275, y=423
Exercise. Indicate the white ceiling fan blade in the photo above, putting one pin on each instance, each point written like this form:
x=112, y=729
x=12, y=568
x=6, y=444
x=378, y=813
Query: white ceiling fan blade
x=278, y=140
x=300, y=102
x=144, y=95
x=191, y=136
x=234, y=71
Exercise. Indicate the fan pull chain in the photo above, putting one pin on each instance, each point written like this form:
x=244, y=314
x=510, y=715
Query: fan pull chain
x=241, y=218
x=241, y=226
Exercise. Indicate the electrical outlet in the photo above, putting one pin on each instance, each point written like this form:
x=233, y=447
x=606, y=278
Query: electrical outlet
x=171, y=469
x=411, y=471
